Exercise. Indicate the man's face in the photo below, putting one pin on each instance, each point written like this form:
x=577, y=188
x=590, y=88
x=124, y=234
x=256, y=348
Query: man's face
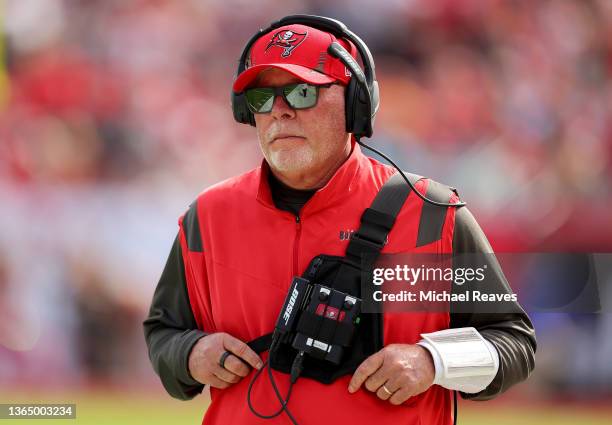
x=303, y=147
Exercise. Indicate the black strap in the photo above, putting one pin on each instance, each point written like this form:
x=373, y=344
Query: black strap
x=393, y=194
x=378, y=220
x=261, y=344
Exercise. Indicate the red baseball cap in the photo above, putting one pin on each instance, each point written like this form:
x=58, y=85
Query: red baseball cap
x=300, y=50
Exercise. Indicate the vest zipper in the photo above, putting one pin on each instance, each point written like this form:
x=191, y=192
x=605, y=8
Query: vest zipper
x=296, y=244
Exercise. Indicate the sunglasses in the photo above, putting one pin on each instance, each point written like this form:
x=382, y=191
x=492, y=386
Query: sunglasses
x=298, y=96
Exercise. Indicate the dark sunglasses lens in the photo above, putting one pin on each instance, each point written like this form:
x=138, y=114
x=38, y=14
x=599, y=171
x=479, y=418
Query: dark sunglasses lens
x=260, y=100
x=301, y=96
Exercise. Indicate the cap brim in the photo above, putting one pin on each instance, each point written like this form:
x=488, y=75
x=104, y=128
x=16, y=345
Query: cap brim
x=306, y=74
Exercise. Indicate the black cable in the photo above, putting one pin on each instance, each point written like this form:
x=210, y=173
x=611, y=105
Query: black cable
x=280, y=398
x=296, y=370
x=455, y=407
x=252, y=408
x=267, y=365
x=424, y=198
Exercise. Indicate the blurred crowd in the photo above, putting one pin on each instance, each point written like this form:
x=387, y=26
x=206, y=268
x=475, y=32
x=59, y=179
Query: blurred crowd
x=114, y=114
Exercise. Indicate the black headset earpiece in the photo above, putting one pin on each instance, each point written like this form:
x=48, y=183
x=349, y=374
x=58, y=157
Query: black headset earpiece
x=361, y=99
x=358, y=100
x=242, y=113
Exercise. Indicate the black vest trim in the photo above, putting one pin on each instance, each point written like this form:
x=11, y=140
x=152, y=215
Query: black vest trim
x=191, y=226
x=433, y=216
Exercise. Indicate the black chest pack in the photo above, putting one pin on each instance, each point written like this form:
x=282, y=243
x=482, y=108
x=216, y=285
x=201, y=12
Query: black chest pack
x=321, y=332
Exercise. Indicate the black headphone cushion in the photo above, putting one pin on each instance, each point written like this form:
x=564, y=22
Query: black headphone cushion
x=357, y=109
x=242, y=113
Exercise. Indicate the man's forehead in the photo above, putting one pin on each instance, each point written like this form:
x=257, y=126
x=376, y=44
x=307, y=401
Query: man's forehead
x=275, y=77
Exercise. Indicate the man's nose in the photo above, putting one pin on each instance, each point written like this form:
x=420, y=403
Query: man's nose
x=280, y=109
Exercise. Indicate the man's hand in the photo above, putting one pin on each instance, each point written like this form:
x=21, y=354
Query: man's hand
x=204, y=360
x=403, y=370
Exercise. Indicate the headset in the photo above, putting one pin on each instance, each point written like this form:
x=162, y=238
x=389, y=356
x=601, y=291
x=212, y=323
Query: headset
x=361, y=97
x=361, y=100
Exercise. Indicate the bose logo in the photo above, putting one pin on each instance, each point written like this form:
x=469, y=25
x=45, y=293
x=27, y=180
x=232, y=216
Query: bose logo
x=292, y=299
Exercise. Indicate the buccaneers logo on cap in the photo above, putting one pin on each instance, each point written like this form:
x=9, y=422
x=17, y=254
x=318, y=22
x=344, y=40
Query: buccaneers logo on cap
x=287, y=40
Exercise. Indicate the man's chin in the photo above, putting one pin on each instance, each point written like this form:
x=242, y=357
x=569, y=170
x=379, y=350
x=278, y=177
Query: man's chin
x=292, y=162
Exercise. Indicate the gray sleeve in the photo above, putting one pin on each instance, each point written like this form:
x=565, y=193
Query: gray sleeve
x=509, y=330
x=171, y=331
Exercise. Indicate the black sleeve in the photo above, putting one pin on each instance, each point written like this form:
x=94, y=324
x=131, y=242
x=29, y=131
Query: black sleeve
x=509, y=330
x=171, y=330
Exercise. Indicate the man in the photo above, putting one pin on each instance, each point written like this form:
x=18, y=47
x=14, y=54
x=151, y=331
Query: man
x=243, y=239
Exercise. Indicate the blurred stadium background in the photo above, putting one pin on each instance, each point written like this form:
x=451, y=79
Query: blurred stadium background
x=114, y=114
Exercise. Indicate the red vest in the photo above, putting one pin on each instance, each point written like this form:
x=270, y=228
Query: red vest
x=238, y=278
